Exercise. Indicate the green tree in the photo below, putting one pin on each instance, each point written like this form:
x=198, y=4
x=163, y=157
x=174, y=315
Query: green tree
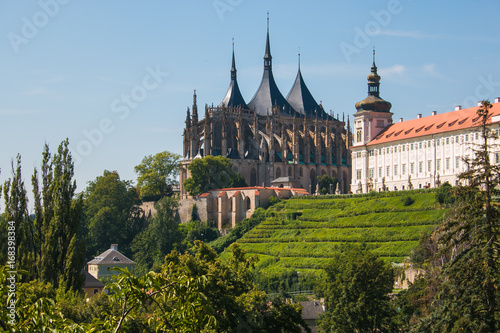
x=161, y=236
x=111, y=213
x=212, y=172
x=47, y=246
x=466, y=300
x=356, y=288
x=324, y=183
x=156, y=175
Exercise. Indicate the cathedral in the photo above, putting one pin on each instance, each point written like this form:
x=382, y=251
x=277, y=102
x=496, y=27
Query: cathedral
x=272, y=141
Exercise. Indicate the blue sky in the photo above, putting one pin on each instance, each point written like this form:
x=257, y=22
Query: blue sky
x=67, y=67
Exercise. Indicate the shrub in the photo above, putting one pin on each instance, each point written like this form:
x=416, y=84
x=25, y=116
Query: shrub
x=407, y=201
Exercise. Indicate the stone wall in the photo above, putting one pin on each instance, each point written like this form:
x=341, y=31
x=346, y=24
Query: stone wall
x=186, y=208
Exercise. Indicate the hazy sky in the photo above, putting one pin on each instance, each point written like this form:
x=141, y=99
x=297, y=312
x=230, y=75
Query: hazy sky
x=116, y=77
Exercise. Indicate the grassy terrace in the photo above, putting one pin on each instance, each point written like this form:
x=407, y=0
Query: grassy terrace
x=301, y=234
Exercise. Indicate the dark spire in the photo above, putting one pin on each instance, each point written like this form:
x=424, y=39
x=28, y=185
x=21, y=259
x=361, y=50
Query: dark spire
x=195, y=107
x=267, y=56
x=268, y=95
x=233, y=96
x=233, y=67
x=299, y=58
x=301, y=99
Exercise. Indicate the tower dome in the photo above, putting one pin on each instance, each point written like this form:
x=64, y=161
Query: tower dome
x=373, y=102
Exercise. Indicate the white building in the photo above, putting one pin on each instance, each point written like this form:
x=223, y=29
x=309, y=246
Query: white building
x=417, y=153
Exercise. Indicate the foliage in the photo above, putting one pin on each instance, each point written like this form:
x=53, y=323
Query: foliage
x=157, y=175
x=112, y=215
x=324, y=183
x=211, y=172
x=47, y=245
x=356, y=290
x=161, y=236
x=205, y=231
x=407, y=201
x=444, y=194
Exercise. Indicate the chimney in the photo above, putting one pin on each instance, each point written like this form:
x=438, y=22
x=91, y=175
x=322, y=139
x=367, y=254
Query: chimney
x=114, y=247
x=434, y=113
x=400, y=120
x=458, y=107
x=419, y=116
x=497, y=100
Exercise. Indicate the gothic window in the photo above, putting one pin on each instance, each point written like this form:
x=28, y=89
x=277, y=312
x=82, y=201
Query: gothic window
x=301, y=173
x=247, y=203
x=278, y=172
x=253, y=177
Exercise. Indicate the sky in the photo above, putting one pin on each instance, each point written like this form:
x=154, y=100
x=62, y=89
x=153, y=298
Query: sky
x=116, y=77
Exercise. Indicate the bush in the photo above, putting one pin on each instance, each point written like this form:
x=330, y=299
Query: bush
x=444, y=194
x=408, y=201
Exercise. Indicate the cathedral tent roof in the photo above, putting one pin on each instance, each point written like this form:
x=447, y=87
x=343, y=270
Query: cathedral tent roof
x=233, y=96
x=301, y=99
x=268, y=94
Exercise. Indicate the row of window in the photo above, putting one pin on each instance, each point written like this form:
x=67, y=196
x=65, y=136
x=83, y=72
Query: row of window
x=423, y=144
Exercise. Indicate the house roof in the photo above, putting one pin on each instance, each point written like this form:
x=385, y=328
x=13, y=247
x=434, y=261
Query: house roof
x=311, y=310
x=111, y=257
x=92, y=282
x=436, y=124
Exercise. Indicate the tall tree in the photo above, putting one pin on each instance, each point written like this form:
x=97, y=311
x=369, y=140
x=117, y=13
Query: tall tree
x=112, y=214
x=58, y=213
x=157, y=175
x=211, y=172
x=161, y=236
x=467, y=296
x=357, y=288
x=326, y=184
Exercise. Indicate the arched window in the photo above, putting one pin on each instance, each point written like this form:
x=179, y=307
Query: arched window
x=253, y=177
x=301, y=172
x=290, y=172
x=278, y=172
x=247, y=203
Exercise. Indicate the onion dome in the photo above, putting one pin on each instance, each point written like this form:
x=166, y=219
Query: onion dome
x=233, y=96
x=373, y=102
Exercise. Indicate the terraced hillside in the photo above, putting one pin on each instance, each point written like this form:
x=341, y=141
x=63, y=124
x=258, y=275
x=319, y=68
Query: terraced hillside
x=301, y=234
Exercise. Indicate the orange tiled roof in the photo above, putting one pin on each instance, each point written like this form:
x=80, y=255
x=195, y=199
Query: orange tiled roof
x=440, y=123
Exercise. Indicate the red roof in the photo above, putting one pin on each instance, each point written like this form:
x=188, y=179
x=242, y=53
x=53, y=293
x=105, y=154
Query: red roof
x=440, y=123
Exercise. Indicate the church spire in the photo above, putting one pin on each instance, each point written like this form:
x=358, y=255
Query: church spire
x=267, y=57
x=195, y=108
x=233, y=66
x=374, y=79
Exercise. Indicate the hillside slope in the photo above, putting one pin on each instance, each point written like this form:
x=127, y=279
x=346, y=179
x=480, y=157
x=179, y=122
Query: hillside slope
x=303, y=233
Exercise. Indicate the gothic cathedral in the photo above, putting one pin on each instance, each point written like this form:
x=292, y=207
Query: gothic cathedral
x=272, y=140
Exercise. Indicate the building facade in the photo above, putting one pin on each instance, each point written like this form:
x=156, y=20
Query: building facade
x=418, y=153
x=101, y=265
x=271, y=136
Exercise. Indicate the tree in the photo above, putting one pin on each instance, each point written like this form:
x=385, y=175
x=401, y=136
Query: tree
x=47, y=246
x=356, y=288
x=156, y=175
x=325, y=183
x=212, y=172
x=467, y=296
x=159, y=238
x=111, y=213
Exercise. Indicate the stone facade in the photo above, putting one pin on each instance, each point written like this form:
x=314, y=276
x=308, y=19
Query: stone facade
x=229, y=206
x=270, y=137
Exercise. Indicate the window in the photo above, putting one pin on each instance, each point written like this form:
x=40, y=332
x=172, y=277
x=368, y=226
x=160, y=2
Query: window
x=477, y=136
x=411, y=146
x=497, y=158
x=438, y=164
x=429, y=166
x=403, y=147
x=358, y=154
x=420, y=167
x=447, y=163
x=420, y=145
x=380, y=123
x=358, y=174
x=412, y=168
x=370, y=173
x=358, y=136
x=387, y=150
x=437, y=142
x=371, y=153
x=457, y=139
x=379, y=172
x=457, y=162
x=466, y=137
x=387, y=171
x=403, y=169
x=380, y=151
x=395, y=170
x=447, y=141
x=428, y=143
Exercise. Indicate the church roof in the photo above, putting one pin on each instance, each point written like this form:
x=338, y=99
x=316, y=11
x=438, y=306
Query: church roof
x=435, y=124
x=268, y=95
x=233, y=96
x=301, y=99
